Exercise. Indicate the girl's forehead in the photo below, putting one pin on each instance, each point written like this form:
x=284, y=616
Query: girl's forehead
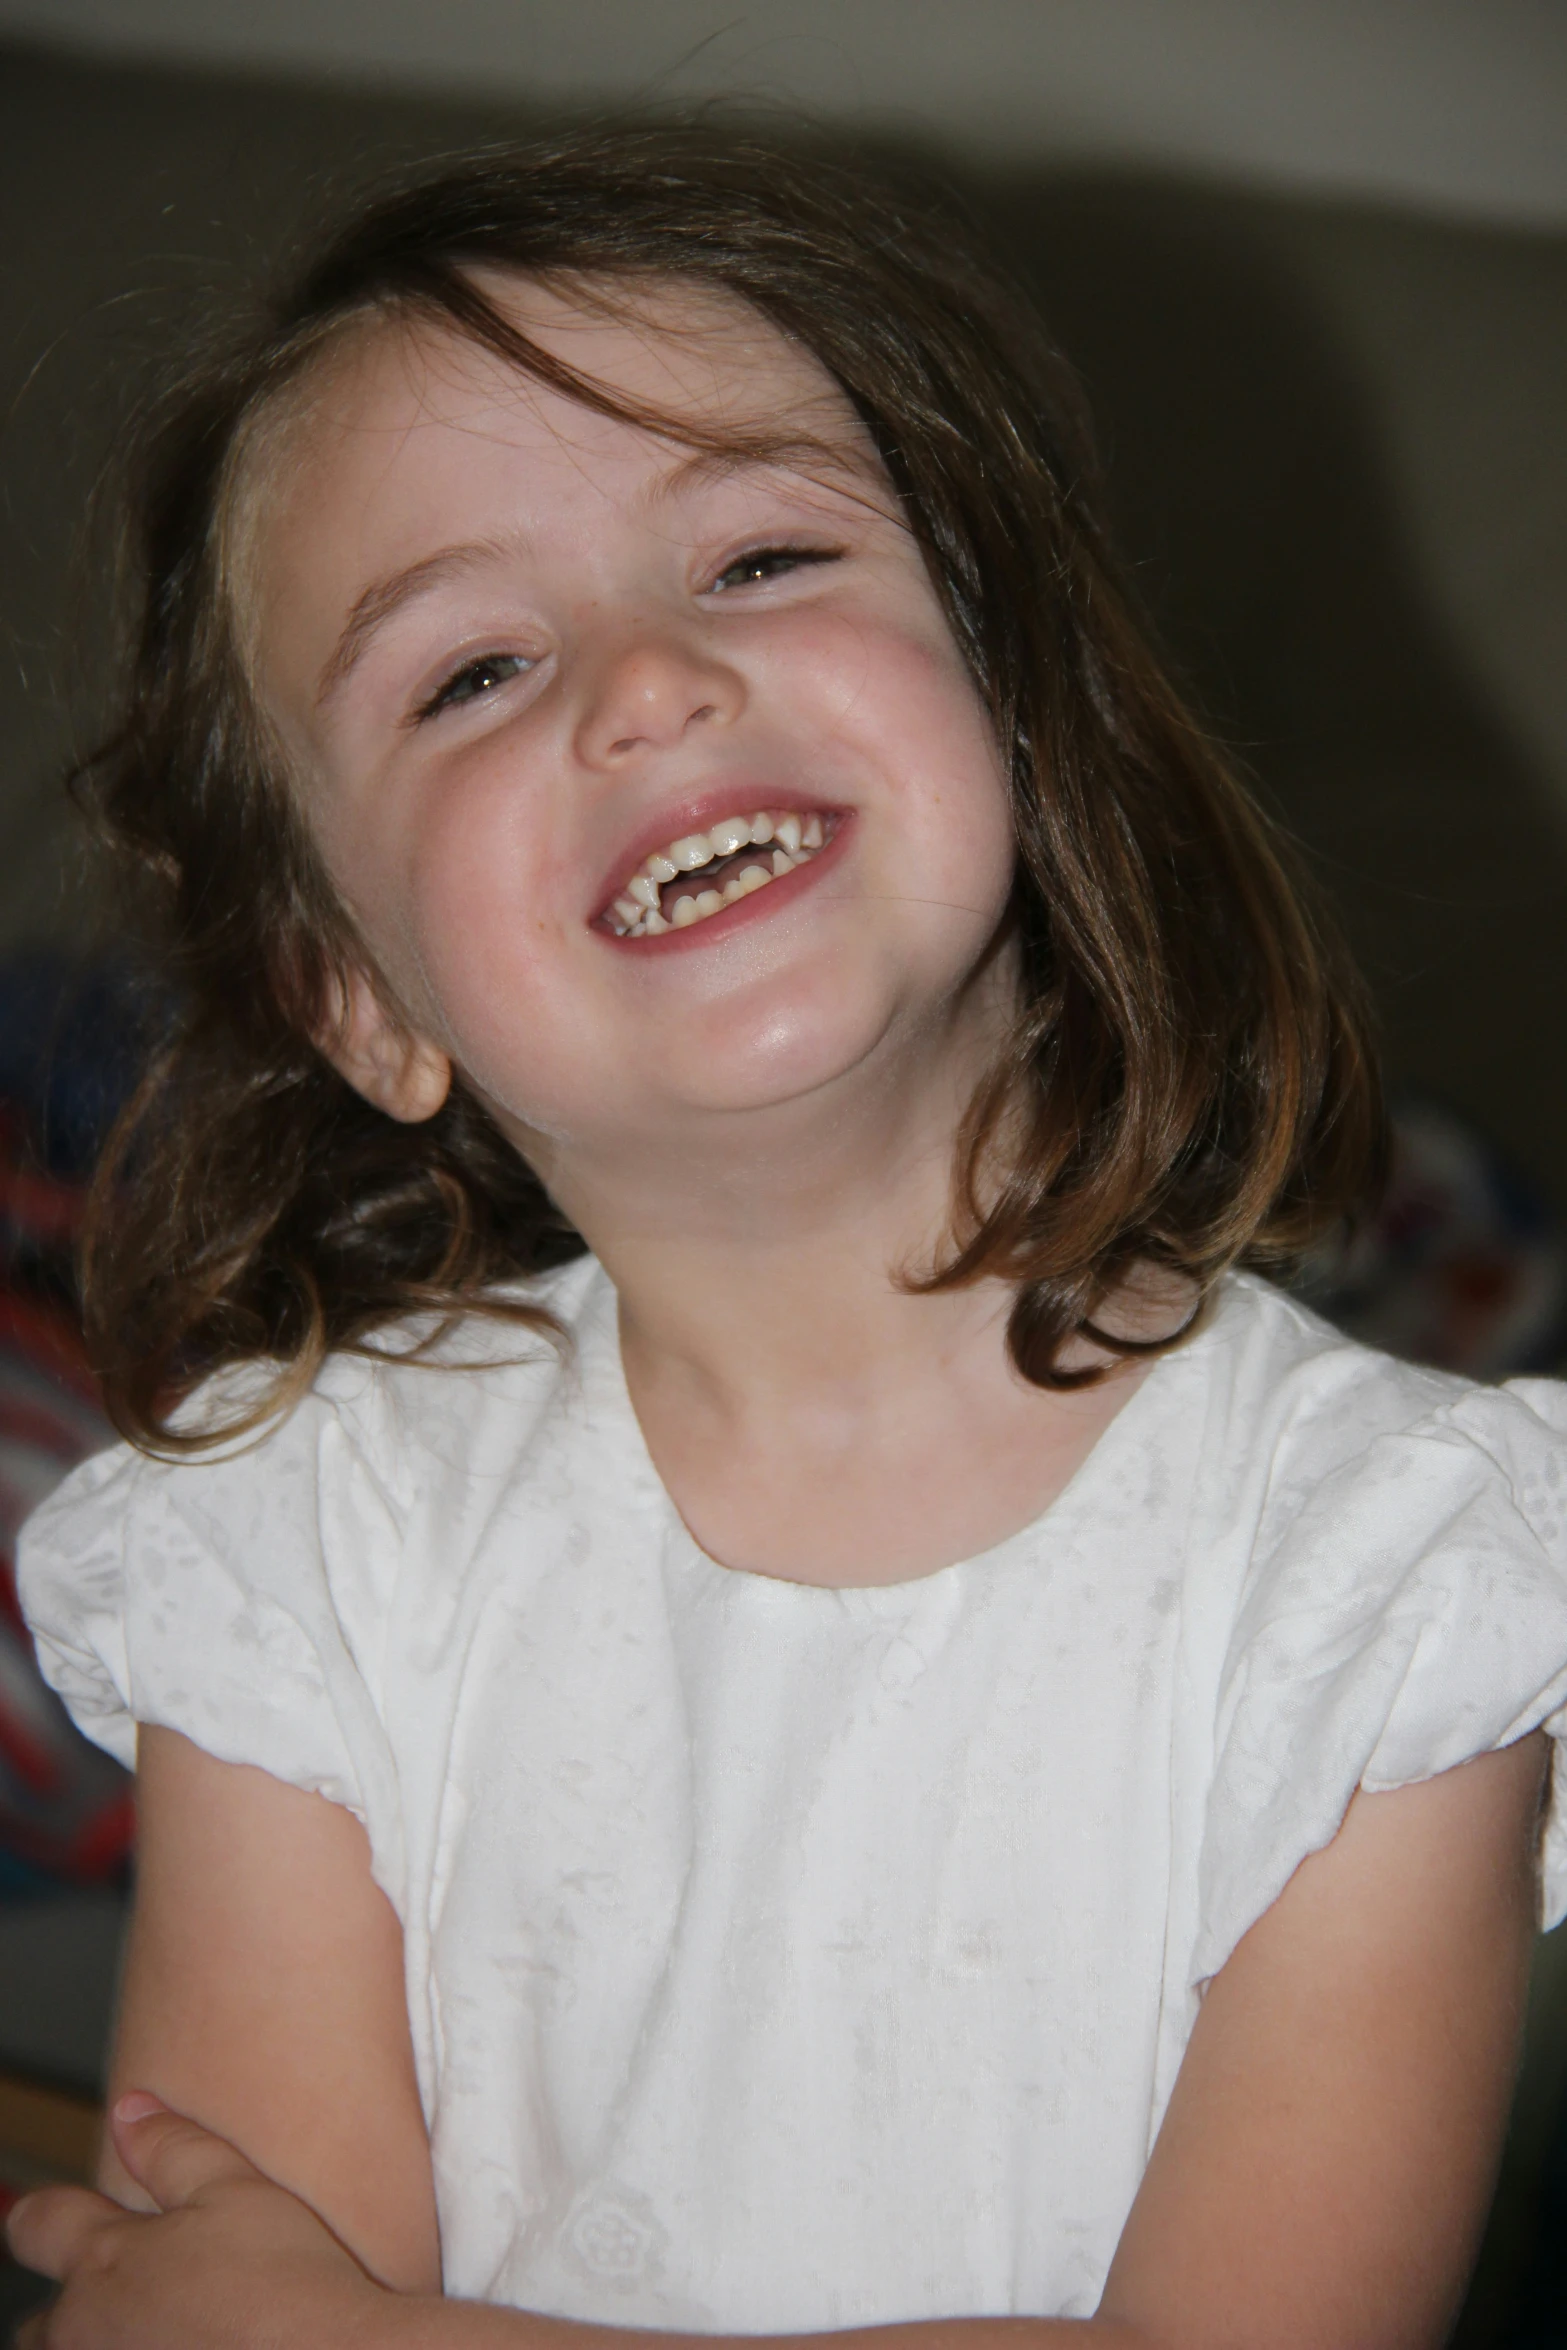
x=411, y=434
x=680, y=353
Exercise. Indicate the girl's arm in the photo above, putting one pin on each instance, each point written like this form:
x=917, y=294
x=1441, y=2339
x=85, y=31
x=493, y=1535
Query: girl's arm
x=263, y=1996
x=1323, y=2173
x=1321, y=2176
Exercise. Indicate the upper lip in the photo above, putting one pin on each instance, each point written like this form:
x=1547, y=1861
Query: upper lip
x=694, y=812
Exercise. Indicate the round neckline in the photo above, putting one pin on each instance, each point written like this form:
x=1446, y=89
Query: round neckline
x=602, y=1369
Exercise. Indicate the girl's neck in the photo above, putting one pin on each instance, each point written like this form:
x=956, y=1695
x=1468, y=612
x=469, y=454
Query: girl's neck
x=811, y=1416
x=838, y=1429
x=760, y=1255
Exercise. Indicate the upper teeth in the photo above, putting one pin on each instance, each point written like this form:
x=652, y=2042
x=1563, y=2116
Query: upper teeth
x=638, y=911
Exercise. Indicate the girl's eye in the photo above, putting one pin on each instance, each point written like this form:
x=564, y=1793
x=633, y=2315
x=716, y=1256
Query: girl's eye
x=763, y=563
x=476, y=680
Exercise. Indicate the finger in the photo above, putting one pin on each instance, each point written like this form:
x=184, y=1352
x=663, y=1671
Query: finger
x=50, y=2230
x=174, y=2159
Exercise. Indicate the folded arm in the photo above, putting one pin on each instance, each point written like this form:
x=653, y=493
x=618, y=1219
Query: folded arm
x=1321, y=2176
x=263, y=1996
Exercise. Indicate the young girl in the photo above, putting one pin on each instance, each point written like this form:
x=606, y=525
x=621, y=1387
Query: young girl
x=769, y=1698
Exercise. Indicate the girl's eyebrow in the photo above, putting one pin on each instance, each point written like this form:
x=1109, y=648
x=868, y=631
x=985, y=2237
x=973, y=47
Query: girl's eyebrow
x=833, y=464
x=383, y=597
x=377, y=603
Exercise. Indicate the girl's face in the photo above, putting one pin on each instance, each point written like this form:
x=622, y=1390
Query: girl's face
x=545, y=675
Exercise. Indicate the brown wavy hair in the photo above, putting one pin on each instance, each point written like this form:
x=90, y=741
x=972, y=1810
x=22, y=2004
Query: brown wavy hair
x=1188, y=1083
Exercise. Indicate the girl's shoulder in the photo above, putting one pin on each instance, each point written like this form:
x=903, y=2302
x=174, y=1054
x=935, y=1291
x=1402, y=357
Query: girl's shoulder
x=1284, y=1362
x=1292, y=1404
x=1377, y=1584
x=245, y=1585
x=429, y=1402
x=422, y=1398
x=1372, y=1504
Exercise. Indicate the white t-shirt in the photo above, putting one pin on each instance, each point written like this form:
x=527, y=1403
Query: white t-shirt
x=782, y=1958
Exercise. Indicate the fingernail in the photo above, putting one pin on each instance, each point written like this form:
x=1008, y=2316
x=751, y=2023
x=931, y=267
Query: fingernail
x=136, y=2105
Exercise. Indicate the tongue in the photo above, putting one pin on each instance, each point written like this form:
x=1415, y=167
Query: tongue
x=691, y=885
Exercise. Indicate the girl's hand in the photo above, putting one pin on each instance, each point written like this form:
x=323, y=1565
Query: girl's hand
x=228, y=2261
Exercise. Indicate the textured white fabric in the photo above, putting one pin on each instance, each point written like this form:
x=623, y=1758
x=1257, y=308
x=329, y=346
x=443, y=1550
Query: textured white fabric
x=787, y=1958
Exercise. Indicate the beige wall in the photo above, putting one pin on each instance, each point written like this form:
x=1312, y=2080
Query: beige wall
x=1445, y=105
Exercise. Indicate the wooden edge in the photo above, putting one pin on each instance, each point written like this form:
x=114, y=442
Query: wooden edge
x=49, y=2129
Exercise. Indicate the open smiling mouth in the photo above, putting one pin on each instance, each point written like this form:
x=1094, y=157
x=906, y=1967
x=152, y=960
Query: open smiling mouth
x=702, y=873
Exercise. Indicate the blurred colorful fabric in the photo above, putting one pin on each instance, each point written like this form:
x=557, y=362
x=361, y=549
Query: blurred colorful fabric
x=1463, y=1266
x=66, y=1056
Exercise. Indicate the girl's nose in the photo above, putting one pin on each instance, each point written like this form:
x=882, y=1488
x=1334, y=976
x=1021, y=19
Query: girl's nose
x=648, y=693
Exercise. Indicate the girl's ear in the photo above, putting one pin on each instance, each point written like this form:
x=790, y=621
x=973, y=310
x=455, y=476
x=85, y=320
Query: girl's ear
x=395, y=1069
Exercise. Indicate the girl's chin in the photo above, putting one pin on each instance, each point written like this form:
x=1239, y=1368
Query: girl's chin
x=786, y=1061
x=761, y=1091
x=765, y=1051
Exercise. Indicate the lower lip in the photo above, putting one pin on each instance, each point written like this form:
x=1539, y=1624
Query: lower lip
x=784, y=890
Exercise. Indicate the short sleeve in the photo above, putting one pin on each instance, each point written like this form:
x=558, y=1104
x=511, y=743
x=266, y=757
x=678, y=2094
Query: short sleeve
x=240, y=1600
x=1409, y=1613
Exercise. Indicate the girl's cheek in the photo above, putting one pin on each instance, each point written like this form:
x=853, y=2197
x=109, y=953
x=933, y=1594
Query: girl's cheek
x=949, y=773
x=917, y=684
x=483, y=891
x=434, y=863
